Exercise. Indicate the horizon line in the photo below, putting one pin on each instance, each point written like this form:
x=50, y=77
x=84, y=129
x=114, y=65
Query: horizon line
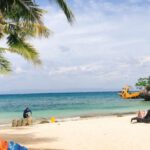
x=67, y=92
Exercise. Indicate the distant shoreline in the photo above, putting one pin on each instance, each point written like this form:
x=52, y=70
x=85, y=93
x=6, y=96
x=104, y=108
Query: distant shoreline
x=36, y=93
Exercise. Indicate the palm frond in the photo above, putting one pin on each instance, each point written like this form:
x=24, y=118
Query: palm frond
x=41, y=30
x=32, y=8
x=4, y=65
x=25, y=29
x=21, y=10
x=1, y=26
x=17, y=45
x=34, y=30
x=19, y=20
x=63, y=5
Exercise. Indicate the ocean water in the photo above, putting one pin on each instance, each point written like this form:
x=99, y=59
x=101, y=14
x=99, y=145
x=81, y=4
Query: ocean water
x=67, y=105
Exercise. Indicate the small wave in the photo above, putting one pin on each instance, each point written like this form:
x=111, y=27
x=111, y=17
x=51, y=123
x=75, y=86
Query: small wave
x=68, y=119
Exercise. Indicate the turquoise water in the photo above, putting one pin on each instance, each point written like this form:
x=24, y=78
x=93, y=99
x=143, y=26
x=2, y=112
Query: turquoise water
x=67, y=104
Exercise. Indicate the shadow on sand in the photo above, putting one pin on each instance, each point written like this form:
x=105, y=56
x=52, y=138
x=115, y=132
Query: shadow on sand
x=25, y=139
x=45, y=149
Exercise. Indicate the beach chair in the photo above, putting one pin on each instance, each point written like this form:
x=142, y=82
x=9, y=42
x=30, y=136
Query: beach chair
x=15, y=146
x=145, y=119
x=3, y=144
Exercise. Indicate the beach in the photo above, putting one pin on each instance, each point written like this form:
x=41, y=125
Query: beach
x=95, y=133
x=73, y=73
x=85, y=121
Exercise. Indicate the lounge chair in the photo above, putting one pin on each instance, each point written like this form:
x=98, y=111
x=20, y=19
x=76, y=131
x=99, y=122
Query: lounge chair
x=145, y=119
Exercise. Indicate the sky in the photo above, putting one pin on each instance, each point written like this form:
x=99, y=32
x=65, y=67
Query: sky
x=107, y=47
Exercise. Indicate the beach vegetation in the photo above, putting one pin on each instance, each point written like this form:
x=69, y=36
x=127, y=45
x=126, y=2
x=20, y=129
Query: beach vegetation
x=143, y=83
x=21, y=20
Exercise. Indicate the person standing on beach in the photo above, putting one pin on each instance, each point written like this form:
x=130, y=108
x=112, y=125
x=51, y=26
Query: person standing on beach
x=27, y=113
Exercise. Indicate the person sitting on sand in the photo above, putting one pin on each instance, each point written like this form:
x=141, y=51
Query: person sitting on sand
x=27, y=113
x=142, y=116
x=141, y=113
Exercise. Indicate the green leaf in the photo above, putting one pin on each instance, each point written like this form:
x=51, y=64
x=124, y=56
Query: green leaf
x=20, y=20
x=143, y=82
x=4, y=65
x=63, y=5
x=19, y=46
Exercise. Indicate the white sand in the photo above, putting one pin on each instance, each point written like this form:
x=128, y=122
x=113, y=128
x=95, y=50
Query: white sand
x=102, y=133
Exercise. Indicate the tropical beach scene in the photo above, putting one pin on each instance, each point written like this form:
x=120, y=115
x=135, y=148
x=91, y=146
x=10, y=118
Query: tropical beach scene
x=74, y=74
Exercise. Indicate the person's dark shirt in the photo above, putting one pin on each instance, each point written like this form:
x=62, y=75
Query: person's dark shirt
x=25, y=113
x=147, y=116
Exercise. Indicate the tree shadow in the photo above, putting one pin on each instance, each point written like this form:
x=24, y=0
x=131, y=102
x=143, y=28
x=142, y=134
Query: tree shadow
x=29, y=138
x=44, y=149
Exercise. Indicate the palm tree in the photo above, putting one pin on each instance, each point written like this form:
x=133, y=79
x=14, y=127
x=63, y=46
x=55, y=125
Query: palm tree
x=20, y=20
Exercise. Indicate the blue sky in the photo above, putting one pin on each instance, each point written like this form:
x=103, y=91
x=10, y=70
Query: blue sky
x=107, y=47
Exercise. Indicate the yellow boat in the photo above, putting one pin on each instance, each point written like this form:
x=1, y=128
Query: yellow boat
x=128, y=95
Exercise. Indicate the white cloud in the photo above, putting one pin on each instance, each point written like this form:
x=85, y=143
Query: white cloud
x=75, y=69
x=19, y=70
x=144, y=60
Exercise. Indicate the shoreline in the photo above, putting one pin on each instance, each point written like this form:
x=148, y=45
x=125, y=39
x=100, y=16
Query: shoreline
x=109, y=114
x=92, y=115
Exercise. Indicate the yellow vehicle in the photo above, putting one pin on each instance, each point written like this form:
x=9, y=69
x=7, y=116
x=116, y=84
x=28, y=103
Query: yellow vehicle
x=128, y=95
